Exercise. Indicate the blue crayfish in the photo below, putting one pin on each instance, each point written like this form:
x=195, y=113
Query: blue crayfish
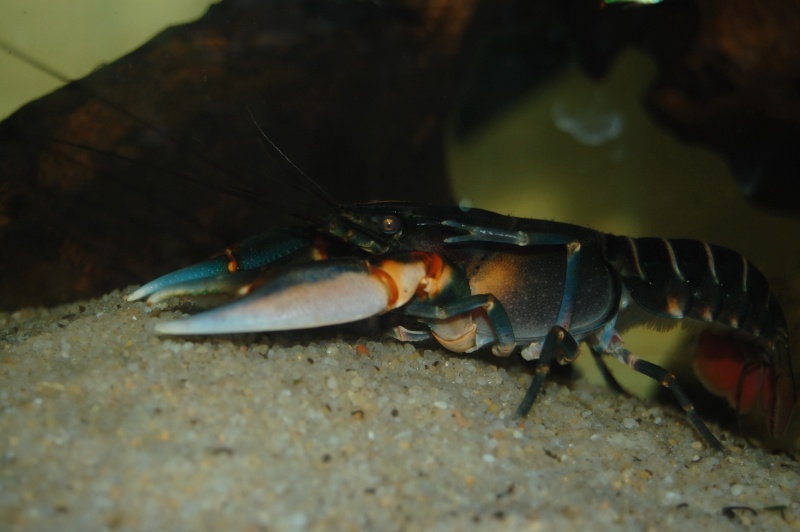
x=474, y=278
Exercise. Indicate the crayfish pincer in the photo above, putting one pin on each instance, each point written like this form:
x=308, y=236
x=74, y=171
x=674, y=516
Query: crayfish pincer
x=471, y=279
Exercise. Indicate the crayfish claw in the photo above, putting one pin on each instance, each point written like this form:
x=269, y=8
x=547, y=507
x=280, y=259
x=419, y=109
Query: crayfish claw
x=170, y=282
x=303, y=297
x=235, y=284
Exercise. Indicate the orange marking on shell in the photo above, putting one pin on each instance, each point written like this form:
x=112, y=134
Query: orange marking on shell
x=319, y=251
x=500, y=275
x=434, y=265
x=388, y=282
x=436, y=274
x=674, y=308
x=233, y=264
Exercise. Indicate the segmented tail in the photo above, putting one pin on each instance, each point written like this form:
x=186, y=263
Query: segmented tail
x=680, y=279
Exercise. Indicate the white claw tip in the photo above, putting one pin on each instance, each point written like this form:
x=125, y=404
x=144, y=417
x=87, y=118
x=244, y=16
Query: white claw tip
x=170, y=327
x=136, y=294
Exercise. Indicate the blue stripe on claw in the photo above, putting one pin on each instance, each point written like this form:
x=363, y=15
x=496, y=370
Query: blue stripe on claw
x=251, y=254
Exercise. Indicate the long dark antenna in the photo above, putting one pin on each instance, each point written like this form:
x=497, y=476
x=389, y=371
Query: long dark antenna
x=199, y=154
x=67, y=80
x=317, y=189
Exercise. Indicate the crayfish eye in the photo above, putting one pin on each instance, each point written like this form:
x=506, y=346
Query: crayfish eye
x=391, y=225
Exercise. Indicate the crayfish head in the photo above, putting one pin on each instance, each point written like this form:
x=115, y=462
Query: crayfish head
x=374, y=231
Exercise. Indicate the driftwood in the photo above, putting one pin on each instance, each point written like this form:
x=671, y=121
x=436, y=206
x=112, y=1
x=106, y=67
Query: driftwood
x=729, y=73
x=358, y=95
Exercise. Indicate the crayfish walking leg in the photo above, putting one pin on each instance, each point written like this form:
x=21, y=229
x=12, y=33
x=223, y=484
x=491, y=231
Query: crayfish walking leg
x=667, y=379
x=559, y=345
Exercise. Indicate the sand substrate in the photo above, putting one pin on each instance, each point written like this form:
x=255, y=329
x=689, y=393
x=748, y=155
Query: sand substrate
x=104, y=425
